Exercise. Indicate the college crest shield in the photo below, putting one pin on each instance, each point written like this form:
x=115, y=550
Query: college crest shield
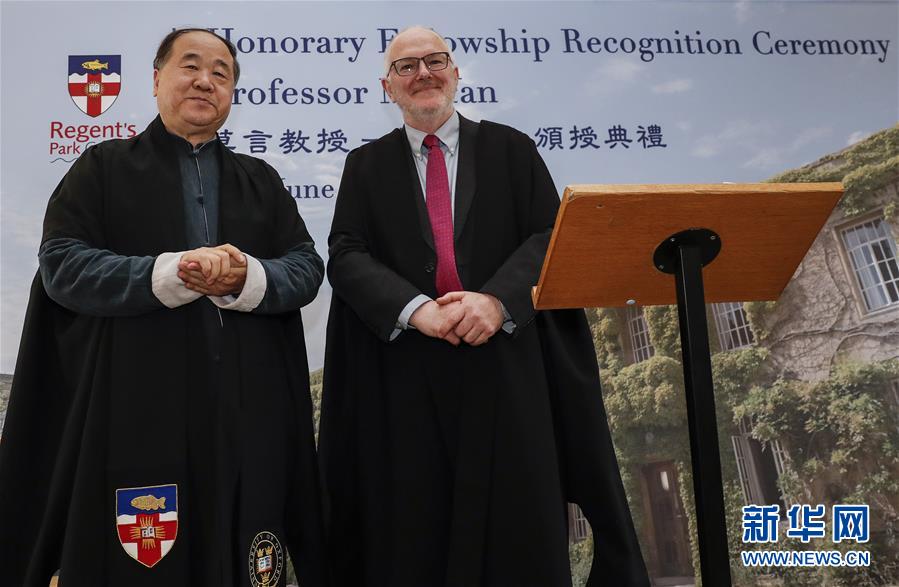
x=94, y=82
x=266, y=561
x=147, y=521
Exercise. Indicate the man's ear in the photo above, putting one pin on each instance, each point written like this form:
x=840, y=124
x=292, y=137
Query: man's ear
x=155, y=82
x=386, y=87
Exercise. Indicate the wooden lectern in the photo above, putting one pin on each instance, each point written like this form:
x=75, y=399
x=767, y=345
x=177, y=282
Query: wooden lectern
x=615, y=245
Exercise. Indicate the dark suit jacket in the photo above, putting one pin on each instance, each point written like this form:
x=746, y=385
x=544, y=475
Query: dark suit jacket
x=500, y=237
x=501, y=408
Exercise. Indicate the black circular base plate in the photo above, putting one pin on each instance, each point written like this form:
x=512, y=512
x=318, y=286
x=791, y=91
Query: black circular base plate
x=665, y=256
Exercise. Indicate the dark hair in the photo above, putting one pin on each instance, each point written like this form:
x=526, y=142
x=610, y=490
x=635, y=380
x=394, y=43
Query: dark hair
x=165, y=48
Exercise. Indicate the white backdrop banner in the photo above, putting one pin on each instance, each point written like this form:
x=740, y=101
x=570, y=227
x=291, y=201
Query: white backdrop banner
x=612, y=92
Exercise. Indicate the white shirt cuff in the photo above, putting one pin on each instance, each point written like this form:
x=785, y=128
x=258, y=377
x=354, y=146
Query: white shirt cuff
x=166, y=285
x=402, y=321
x=252, y=293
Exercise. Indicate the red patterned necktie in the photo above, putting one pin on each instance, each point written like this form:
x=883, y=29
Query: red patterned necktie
x=440, y=213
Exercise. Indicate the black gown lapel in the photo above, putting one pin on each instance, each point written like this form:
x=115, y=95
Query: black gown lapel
x=164, y=194
x=414, y=188
x=466, y=173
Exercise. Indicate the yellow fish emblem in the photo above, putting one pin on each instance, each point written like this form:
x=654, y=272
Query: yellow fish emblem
x=148, y=502
x=95, y=65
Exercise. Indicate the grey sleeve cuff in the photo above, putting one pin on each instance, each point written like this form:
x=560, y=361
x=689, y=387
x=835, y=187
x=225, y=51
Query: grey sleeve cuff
x=167, y=287
x=252, y=293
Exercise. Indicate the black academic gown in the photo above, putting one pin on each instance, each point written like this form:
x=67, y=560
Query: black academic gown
x=100, y=404
x=452, y=466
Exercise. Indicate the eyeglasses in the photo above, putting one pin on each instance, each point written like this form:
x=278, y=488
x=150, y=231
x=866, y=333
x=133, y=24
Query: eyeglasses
x=409, y=65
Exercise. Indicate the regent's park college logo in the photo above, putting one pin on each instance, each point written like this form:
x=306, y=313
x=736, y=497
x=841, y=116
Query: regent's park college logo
x=94, y=82
x=147, y=521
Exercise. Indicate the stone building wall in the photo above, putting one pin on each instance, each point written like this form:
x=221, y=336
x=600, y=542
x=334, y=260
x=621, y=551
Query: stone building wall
x=820, y=319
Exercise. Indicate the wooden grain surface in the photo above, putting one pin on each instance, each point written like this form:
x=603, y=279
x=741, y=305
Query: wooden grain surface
x=600, y=254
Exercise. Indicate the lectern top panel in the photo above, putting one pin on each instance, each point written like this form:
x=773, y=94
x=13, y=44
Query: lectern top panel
x=600, y=253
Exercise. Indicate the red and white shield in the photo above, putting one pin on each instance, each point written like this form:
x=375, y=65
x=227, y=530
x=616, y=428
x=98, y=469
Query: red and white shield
x=147, y=521
x=94, y=82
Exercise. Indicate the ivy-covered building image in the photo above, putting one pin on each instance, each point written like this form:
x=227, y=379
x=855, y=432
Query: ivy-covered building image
x=806, y=392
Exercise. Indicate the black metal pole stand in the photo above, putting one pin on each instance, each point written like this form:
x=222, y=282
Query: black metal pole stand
x=685, y=254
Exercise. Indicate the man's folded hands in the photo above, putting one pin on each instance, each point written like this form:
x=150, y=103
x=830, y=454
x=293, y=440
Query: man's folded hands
x=214, y=271
x=459, y=316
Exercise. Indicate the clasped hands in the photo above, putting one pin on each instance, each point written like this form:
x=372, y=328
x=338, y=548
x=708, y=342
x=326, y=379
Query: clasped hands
x=460, y=316
x=214, y=271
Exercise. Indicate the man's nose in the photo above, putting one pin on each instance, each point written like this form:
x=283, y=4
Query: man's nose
x=202, y=80
x=423, y=71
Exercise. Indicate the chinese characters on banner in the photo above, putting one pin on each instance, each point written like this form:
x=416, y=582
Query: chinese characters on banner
x=296, y=140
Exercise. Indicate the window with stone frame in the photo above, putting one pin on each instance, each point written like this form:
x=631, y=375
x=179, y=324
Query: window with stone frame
x=894, y=400
x=759, y=466
x=579, y=527
x=641, y=347
x=871, y=250
x=733, y=327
